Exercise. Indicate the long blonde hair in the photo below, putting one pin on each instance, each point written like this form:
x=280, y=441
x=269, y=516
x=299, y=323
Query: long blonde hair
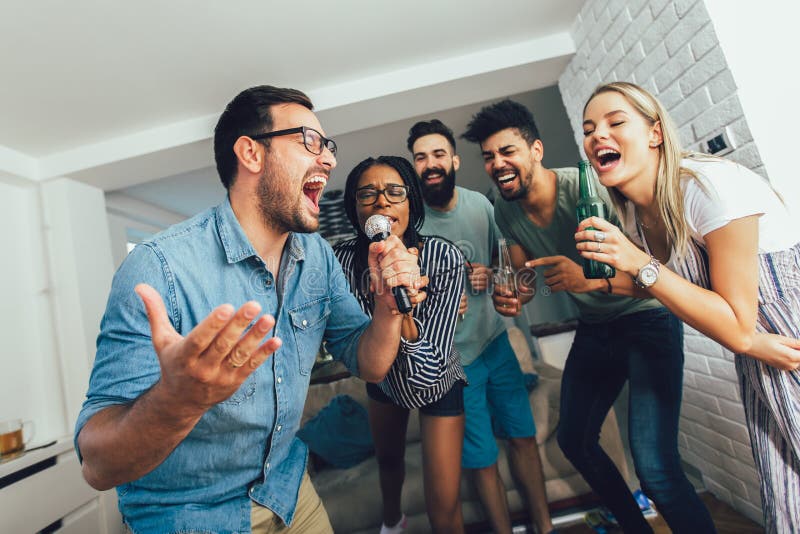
x=668, y=191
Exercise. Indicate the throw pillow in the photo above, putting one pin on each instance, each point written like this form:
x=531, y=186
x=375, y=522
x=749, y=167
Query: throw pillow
x=339, y=433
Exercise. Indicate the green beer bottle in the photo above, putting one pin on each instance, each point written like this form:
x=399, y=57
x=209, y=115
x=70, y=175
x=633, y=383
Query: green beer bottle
x=589, y=204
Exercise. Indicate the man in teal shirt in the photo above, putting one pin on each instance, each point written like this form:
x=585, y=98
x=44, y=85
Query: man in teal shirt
x=496, y=389
x=618, y=338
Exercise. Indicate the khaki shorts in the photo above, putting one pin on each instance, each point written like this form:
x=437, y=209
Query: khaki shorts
x=310, y=516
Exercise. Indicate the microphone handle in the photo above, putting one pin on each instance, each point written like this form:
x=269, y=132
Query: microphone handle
x=399, y=292
x=402, y=300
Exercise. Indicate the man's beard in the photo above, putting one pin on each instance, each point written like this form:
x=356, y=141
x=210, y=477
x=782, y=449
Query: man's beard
x=438, y=195
x=278, y=212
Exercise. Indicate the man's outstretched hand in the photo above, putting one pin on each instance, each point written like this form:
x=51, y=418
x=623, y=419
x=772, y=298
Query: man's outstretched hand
x=211, y=362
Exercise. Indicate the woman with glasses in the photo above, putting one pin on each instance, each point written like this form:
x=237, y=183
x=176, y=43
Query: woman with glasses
x=427, y=373
x=731, y=255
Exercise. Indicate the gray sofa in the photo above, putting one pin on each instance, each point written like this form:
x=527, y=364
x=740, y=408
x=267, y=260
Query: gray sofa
x=352, y=496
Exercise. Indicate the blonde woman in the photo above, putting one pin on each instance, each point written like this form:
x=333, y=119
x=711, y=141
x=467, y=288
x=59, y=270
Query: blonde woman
x=716, y=245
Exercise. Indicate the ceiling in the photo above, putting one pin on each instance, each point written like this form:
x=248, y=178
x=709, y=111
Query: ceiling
x=120, y=94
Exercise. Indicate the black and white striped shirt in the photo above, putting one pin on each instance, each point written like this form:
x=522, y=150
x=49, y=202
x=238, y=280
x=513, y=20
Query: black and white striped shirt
x=427, y=368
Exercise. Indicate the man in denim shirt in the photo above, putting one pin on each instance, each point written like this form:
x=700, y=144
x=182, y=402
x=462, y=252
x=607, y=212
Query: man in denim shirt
x=181, y=415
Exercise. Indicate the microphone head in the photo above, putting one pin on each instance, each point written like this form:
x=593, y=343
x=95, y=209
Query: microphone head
x=378, y=225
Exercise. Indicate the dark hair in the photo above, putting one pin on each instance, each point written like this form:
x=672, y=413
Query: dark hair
x=434, y=126
x=416, y=207
x=248, y=114
x=499, y=116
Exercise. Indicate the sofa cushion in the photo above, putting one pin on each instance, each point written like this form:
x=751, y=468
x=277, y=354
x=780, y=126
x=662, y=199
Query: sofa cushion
x=320, y=394
x=339, y=433
x=545, y=399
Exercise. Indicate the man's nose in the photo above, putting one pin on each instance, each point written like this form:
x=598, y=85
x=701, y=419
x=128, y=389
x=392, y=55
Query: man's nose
x=327, y=159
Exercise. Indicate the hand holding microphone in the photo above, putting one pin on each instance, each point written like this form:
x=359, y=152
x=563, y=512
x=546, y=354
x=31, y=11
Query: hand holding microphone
x=378, y=228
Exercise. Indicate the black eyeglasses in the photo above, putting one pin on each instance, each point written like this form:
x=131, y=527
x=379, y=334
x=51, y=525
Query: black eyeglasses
x=394, y=193
x=314, y=141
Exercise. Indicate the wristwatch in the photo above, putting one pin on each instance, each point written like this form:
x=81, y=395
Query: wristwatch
x=648, y=274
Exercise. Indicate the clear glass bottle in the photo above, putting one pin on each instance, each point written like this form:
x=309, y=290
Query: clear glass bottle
x=505, y=276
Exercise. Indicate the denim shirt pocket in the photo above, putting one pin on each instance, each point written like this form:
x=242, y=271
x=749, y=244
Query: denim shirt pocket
x=308, y=326
x=245, y=391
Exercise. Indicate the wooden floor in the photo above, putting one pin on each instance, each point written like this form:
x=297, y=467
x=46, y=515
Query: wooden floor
x=726, y=519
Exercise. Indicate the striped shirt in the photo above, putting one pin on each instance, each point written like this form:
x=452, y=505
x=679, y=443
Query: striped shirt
x=427, y=368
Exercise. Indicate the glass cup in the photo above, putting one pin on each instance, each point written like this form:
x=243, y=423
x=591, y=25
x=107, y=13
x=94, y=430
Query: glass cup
x=11, y=436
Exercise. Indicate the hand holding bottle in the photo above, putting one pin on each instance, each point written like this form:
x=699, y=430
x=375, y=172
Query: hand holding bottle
x=591, y=205
x=506, y=301
x=479, y=276
x=505, y=296
x=613, y=249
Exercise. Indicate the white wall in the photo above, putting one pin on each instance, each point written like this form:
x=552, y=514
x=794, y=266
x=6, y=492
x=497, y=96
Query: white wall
x=78, y=247
x=759, y=40
x=56, y=273
x=671, y=48
x=30, y=386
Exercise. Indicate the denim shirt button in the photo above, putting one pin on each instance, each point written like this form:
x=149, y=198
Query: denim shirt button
x=305, y=323
x=280, y=380
x=252, y=490
x=267, y=465
x=278, y=428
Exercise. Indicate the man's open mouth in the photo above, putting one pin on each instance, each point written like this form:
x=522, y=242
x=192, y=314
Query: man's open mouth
x=504, y=178
x=313, y=188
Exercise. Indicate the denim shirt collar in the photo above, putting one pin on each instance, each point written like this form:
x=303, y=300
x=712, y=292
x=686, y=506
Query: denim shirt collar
x=236, y=243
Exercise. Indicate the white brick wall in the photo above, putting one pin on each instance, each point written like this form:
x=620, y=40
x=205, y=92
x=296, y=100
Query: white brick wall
x=671, y=49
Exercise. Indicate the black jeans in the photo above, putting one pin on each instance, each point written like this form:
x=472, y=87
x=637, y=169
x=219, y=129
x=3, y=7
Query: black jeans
x=645, y=348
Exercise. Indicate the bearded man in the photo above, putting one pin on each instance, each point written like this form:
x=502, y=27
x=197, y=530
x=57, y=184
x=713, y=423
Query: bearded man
x=496, y=390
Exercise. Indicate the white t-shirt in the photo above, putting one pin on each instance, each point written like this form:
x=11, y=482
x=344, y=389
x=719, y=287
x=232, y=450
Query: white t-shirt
x=731, y=192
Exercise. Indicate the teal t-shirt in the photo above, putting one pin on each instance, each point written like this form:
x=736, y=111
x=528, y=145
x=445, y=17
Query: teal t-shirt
x=470, y=225
x=559, y=239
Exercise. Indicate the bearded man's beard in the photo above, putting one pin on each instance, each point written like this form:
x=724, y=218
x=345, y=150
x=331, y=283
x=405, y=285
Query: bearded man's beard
x=438, y=195
x=279, y=212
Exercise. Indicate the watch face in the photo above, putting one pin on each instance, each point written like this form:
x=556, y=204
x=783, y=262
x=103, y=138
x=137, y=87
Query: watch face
x=648, y=275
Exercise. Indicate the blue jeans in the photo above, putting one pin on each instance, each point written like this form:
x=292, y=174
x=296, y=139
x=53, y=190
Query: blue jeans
x=645, y=348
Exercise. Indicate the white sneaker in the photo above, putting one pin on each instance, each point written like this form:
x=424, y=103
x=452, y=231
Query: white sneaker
x=397, y=529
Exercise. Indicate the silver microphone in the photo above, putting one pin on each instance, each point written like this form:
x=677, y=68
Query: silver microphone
x=377, y=228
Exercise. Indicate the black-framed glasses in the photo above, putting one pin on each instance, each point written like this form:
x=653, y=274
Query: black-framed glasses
x=394, y=193
x=314, y=141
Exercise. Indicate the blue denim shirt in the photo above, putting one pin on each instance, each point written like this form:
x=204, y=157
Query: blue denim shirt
x=244, y=447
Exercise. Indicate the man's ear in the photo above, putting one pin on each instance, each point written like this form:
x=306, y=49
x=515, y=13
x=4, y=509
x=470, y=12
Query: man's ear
x=456, y=163
x=537, y=151
x=249, y=154
x=656, y=136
